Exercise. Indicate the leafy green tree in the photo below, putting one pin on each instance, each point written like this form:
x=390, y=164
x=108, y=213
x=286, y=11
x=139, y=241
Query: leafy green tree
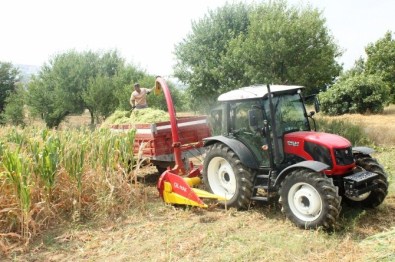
x=199, y=55
x=381, y=60
x=100, y=97
x=61, y=88
x=9, y=76
x=286, y=45
x=268, y=43
x=14, y=112
x=44, y=100
x=358, y=93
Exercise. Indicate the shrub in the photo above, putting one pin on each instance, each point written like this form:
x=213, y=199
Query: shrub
x=356, y=94
x=355, y=134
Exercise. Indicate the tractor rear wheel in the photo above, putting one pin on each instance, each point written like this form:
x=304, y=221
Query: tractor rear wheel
x=375, y=197
x=309, y=199
x=226, y=176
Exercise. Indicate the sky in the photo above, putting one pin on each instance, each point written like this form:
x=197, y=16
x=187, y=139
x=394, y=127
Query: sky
x=145, y=32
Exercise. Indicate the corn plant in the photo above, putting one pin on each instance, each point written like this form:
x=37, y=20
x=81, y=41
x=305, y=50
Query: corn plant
x=126, y=147
x=17, y=171
x=73, y=162
x=106, y=143
x=16, y=137
x=49, y=161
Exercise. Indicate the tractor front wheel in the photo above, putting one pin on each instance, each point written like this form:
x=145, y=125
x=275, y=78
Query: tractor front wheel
x=309, y=199
x=375, y=197
x=226, y=176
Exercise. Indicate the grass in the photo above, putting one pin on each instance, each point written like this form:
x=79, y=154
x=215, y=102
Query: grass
x=149, y=230
x=154, y=231
x=380, y=128
x=163, y=233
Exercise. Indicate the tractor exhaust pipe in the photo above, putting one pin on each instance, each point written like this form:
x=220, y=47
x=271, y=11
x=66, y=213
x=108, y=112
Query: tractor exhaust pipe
x=274, y=128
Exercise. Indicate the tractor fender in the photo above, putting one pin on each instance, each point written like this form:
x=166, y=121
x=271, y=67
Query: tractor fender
x=245, y=155
x=362, y=150
x=312, y=165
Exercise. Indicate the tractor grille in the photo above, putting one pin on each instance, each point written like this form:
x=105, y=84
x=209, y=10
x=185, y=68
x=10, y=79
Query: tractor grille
x=318, y=153
x=344, y=156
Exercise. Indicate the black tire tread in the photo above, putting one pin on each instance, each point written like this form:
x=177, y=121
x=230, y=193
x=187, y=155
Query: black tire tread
x=329, y=194
x=245, y=182
x=378, y=195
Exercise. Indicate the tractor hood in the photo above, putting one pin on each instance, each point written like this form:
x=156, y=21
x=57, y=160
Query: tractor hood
x=328, y=140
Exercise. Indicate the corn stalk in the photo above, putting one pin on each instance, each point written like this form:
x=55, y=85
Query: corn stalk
x=14, y=136
x=126, y=148
x=73, y=162
x=17, y=171
x=49, y=162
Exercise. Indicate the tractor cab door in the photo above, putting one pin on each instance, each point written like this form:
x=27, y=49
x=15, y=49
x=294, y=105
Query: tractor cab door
x=290, y=116
x=250, y=131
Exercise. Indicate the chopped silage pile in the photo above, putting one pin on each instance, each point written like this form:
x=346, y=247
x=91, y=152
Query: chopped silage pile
x=141, y=116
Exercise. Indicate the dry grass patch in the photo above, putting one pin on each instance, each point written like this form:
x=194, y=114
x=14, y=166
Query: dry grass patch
x=380, y=128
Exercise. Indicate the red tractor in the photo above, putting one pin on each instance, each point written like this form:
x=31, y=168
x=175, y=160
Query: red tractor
x=267, y=148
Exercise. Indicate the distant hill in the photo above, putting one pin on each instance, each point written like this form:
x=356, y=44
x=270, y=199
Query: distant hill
x=27, y=71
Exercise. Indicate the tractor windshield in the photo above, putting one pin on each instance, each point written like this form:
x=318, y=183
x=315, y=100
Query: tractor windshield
x=289, y=112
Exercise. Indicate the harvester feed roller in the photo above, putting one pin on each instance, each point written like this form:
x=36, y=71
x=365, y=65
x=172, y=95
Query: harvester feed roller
x=175, y=189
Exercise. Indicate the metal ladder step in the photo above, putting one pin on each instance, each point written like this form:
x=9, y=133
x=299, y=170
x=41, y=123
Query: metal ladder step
x=259, y=198
x=263, y=176
x=265, y=187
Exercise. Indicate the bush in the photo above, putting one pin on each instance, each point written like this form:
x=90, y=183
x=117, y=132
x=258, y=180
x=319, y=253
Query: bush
x=355, y=134
x=356, y=94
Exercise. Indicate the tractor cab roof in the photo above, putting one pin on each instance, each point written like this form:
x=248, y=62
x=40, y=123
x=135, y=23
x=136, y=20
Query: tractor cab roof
x=257, y=91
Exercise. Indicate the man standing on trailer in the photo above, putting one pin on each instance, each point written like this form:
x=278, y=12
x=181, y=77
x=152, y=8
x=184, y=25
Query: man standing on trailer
x=138, y=99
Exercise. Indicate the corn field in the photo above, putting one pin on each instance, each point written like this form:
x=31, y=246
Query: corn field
x=47, y=176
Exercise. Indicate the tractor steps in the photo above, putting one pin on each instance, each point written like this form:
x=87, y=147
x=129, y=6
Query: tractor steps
x=262, y=187
x=260, y=198
x=265, y=187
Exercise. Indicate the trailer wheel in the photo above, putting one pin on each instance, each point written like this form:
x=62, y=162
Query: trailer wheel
x=226, y=176
x=309, y=199
x=375, y=197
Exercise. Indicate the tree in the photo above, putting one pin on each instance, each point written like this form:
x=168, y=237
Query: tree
x=61, y=86
x=9, y=76
x=269, y=43
x=381, y=60
x=359, y=93
x=199, y=55
x=357, y=69
x=14, y=112
x=285, y=45
x=100, y=97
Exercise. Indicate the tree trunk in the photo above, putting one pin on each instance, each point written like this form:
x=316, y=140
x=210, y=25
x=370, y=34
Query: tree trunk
x=92, y=117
